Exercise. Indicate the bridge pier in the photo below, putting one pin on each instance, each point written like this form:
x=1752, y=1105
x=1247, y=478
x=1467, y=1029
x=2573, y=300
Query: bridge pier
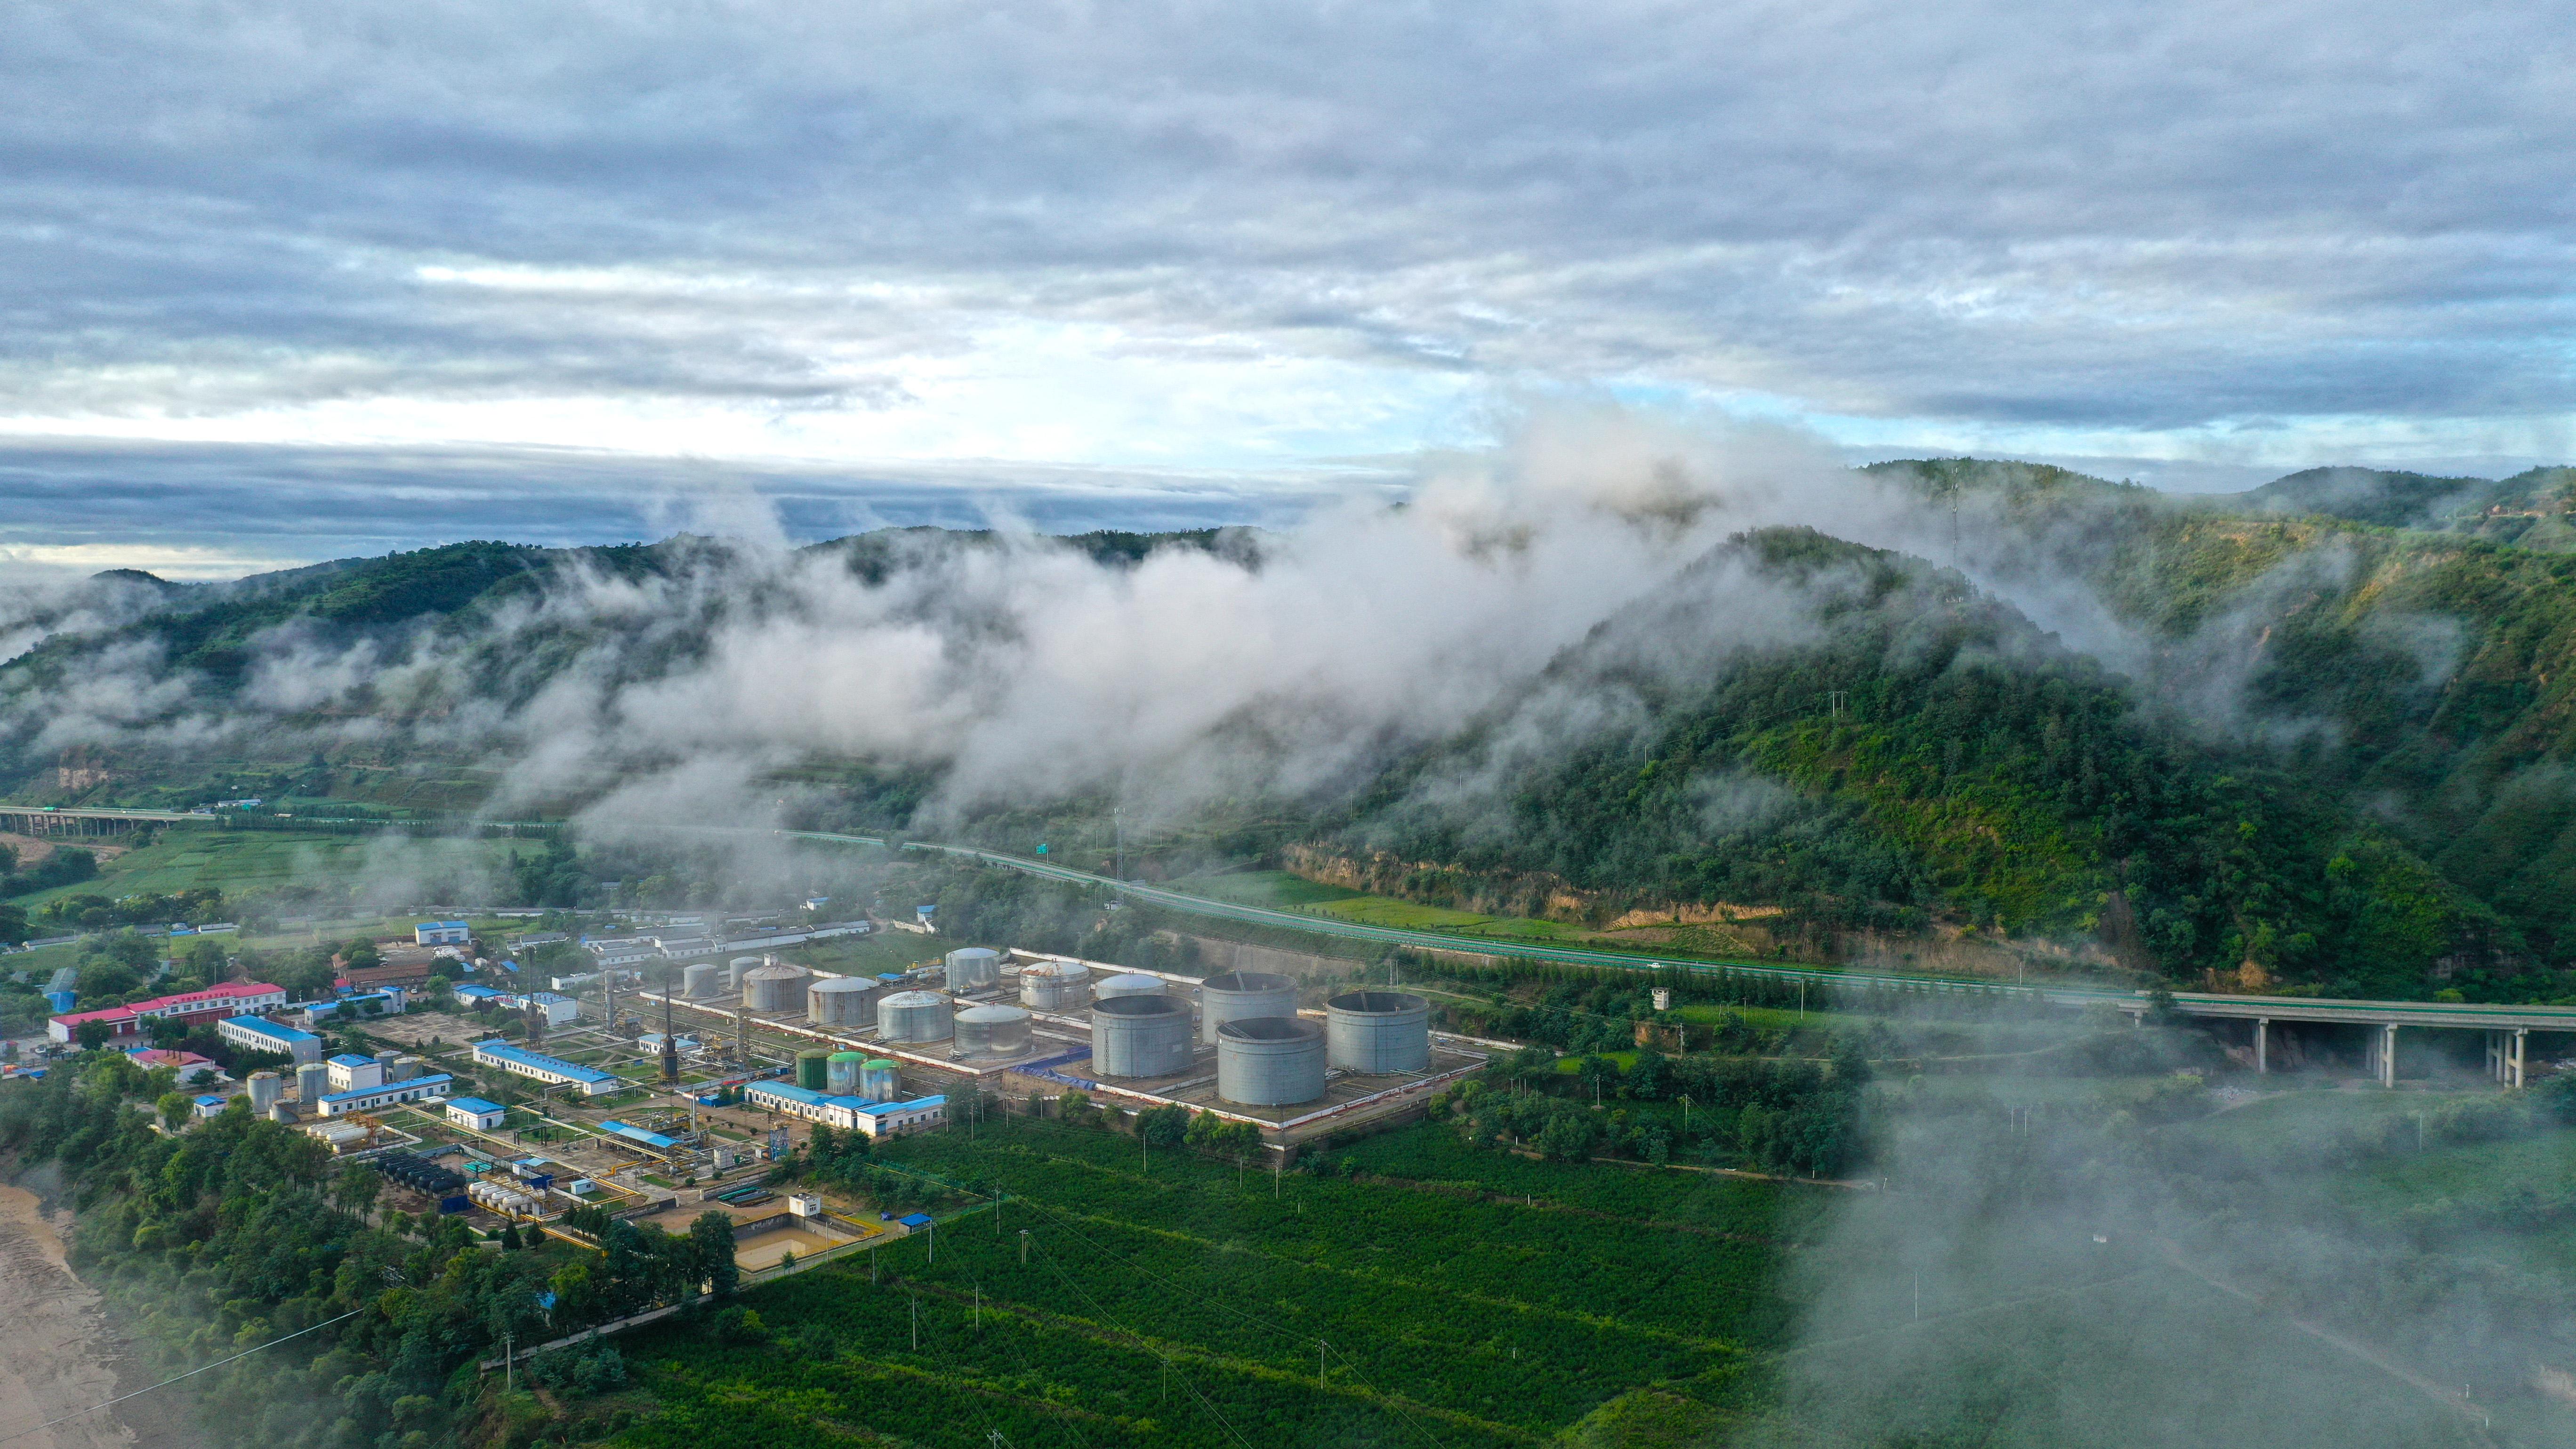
x=2505, y=1055
x=2262, y=1045
x=2379, y=1053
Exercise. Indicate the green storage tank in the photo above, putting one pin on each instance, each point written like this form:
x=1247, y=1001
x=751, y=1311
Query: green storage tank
x=813, y=1069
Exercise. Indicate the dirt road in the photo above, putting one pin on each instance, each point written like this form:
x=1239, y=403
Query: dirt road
x=58, y=1353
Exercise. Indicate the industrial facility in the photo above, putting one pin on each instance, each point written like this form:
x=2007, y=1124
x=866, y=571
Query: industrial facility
x=1243, y=1045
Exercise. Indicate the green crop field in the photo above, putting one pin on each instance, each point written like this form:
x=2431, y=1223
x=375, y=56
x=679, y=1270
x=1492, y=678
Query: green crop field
x=1273, y=888
x=236, y=862
x=1442, y=1316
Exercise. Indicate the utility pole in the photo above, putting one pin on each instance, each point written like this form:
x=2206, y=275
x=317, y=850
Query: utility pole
x=916, y=1324
x=509, y=1362
x=1024, y=1245
x=1118, y=832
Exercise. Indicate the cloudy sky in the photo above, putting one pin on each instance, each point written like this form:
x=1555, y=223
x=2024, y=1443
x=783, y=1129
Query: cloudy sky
x=288, y=282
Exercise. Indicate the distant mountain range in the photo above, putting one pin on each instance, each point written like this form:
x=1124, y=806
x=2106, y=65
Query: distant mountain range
x=2310, y=737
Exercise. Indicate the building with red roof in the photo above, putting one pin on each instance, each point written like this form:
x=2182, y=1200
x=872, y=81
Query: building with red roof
x=189, y=1008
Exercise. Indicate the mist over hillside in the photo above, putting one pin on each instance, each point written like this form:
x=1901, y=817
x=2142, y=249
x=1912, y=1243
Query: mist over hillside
x=2266, y=742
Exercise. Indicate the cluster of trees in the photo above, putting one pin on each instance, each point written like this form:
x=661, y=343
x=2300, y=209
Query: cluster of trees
x=64, y=865
x=1170, y=1125
x=86, y=911
x=983, y=903
x=238, y=1231
x=1797, y=1117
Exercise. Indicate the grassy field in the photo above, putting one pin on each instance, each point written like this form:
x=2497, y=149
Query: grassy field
x=237, y=862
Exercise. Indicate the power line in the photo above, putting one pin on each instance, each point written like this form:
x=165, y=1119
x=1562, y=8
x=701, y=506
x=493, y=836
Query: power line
x=165, y=1383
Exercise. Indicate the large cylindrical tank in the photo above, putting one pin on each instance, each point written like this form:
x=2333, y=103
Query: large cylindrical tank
x=915, y=1016
x=773, y=988
x=738, y=968
x=841, y=1074
x=849, y=1001
x=881, y=1080
x=1238, y=995
x=992, y=1031
x=813, y=1069
x=312, y=1080
x=973, y=966
x=1054, y=985
x=264, y=1090
x=700, y=980
x=385, y=1064
x=1376, y=1032
x=1140, y=1036
x=403, y=1069
x=1130, y=984
x=1270, y=1061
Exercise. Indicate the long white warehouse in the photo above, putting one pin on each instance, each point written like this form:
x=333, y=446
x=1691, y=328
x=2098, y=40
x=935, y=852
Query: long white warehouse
x=554, y=1071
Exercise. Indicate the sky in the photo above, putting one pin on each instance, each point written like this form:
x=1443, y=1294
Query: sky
x=285, y=283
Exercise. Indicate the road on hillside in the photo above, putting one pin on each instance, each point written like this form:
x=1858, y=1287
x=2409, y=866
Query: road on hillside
x=1483, y=946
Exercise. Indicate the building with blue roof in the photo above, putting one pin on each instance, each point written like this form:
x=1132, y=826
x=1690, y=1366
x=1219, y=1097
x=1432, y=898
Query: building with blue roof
x=209, y=1106
x=855, y=1114
x=554, y=1071
x=441, y=933
x=476, y=1113
x=386, y=1094
x=259, y=1034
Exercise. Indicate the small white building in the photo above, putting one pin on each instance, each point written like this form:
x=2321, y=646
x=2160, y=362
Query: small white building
x=441, y=933
x=208, y=1107
x=476, y=1113
x=386, y=1094
x=350, y=1072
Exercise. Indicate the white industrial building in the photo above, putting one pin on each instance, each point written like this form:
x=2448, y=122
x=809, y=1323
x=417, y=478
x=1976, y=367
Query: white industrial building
x=554, y=1071
x=259, y=1034
x=857, y=1114
x=386, y=1094
x=476, y=1113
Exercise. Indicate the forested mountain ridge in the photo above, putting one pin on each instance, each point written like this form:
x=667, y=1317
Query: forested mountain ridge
x=1923, y=755
x=2254, y=741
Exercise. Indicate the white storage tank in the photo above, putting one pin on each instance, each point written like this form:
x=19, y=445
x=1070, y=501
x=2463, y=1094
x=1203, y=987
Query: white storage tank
x=880, y=1080
x=312, y=1080
x=910, y=1016
x=700, y=981
x=1054, y=986
x=738, y=968
x=773, y=988
x=1237, y=995
x=841, y=1073
x=1140, y=1036
x=848, y=1001
x=1377, y=1032
x=992, y=1032
x=1270, y=1061
x=265, y=1088
x=1129, y=984
x=973, y=966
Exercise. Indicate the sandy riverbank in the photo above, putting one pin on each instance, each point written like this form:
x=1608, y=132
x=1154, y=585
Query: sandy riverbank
x=58, y=1351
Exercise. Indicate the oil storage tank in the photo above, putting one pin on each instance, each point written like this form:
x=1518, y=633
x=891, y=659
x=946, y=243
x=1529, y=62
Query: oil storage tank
x=1240, y=994
x=880, y=1080
x=312, y=1079
x=992, y=1032
x=773, y=988
x=1376, y=1032
x=843, y=1000
x=1140, y=1036
x=915, y=1016
x=813, y=1069
x=1129, y=984
x=1270, y=1061
x=973, y=966
x=738, y=968
x=265, y=1088
x=841, y=1074
x=1054, y=985
x=699, y=981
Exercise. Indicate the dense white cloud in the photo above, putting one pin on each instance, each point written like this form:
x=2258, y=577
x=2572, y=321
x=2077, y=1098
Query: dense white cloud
x=1210, y=238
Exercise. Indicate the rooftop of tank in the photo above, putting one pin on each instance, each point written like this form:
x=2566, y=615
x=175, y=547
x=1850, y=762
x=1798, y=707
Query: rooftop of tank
x=1271, y=1028
x=1141, y=1006
x=1375, y=1002
x=1248, y=981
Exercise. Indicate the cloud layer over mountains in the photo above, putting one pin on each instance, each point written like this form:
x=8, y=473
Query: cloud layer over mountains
x=1165, y=237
